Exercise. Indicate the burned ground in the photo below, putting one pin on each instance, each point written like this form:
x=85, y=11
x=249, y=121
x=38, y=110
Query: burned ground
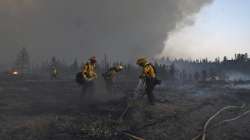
x=55, y=110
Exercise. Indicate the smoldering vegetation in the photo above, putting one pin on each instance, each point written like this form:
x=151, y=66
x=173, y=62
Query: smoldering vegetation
x=33, y=106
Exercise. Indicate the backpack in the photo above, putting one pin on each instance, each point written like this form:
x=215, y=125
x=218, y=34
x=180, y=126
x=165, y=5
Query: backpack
x=156, y=80
x=79, y=78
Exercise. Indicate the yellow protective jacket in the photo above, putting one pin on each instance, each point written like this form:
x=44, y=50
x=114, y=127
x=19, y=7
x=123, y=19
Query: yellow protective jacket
x=149, y=71
x=88, y=71
x=54, y=71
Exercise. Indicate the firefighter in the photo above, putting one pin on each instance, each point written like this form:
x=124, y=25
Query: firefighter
x=109, y=76
x=148, y=76
x=54, y=73
x=88, y=75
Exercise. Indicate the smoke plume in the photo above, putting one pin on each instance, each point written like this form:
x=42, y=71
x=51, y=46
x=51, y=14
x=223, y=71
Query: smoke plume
x=69, y=29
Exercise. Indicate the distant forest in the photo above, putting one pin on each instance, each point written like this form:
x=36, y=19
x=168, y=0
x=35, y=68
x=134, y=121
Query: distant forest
x=237, y=68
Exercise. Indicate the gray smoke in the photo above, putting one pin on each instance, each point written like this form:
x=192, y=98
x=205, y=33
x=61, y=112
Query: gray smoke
x=69, y=29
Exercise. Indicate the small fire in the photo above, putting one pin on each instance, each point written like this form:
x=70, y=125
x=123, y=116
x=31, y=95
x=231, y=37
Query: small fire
x=15, y=73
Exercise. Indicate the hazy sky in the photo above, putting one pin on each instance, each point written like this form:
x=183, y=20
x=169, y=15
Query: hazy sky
x=222, y=28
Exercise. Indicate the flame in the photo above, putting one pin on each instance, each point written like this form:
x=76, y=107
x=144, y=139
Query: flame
x=15, y=73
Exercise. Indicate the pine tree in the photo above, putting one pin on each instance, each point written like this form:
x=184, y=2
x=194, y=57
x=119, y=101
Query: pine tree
x=74, y=67
x=23, y=61
x=204, y=75
x=172, y=72
x=197, y=76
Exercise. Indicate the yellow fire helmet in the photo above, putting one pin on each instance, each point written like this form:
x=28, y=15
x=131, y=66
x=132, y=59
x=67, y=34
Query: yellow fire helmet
x=141, y=61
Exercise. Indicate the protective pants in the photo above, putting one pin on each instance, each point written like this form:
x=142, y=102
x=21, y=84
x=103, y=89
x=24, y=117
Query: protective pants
x=88, y=88
x=149, y=89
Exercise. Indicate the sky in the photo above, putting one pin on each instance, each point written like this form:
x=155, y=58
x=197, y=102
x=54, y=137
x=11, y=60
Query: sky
x=220, y=29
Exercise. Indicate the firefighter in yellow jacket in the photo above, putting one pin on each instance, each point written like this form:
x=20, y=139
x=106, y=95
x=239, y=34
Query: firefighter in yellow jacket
x=148, y=75
x=109, y=76
x=89, y=70
x=54, y=73
x=89, y=75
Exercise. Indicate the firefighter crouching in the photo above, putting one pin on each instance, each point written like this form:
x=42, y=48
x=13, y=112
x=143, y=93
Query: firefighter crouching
x=87, y=76
x=148, y=76
x=109, y=77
